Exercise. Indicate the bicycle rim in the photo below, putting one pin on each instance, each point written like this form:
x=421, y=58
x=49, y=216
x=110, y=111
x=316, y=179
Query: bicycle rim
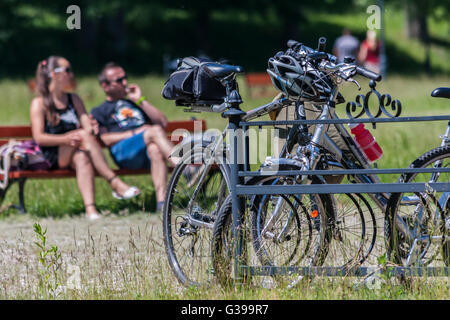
x=431, y=247
x=188, y=221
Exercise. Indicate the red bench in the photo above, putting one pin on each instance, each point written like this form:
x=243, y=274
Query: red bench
x=21, y=133
x=260, y=81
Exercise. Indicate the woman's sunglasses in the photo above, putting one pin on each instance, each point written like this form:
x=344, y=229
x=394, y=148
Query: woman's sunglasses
x=63, y=69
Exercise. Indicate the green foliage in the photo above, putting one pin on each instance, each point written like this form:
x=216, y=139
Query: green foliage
x=50, y=261
x=139, y=34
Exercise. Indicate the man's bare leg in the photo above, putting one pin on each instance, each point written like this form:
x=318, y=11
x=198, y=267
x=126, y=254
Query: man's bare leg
x=157, y=135
x=158, y=171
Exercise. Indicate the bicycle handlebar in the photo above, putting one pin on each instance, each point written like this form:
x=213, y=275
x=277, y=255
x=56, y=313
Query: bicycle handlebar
x=300, y=51
x=368, y=74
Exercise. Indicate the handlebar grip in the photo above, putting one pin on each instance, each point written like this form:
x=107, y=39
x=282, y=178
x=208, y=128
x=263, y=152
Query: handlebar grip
x=368, y=74
x=322, y=44
x=318, y=55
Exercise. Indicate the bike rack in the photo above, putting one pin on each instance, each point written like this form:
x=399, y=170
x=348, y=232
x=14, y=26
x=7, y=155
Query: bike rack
x=240, y=146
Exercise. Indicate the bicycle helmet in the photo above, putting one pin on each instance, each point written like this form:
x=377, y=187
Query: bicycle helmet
x=298, y=82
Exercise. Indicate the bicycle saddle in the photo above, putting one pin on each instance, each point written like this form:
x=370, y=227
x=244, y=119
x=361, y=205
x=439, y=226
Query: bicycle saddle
x=217, y=70
x=441, y=93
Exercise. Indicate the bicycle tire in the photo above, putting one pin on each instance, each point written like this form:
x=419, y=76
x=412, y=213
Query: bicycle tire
x=354, y=232
x=223, y=245
x=353, y=237
x=398, y=247
x=285, y=252
x=188, y=244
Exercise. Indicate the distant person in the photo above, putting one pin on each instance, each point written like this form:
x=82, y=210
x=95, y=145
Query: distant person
x=67, y=135
x=346, y=46
x=369, y=53
x=133, y=128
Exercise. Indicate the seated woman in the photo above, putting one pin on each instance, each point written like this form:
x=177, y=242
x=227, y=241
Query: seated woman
x=67, y=135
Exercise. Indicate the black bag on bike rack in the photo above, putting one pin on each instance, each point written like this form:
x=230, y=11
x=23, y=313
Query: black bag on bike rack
x=191, y=84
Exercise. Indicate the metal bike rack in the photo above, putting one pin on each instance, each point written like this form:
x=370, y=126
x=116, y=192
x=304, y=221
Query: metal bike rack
x=239, y=189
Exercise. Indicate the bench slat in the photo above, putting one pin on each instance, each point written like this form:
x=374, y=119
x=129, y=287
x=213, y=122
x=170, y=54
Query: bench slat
x=15, y=131
x=65, y=173
x=25, y=131
x=255, y=79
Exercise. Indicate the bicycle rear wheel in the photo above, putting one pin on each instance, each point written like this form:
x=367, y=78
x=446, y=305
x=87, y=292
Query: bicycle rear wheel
x=298, y=236
x=353, y=232
x=188, y=218
x=422, y=214
x=294, y=240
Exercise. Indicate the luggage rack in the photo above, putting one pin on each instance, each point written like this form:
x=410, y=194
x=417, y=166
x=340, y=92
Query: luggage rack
x=240, y=146
x=200, y=105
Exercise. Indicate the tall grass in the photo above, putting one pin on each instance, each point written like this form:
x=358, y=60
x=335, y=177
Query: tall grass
x=117, y=258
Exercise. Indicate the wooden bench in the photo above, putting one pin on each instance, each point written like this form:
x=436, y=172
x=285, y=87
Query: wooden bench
x=21, y=133
x=260, y=81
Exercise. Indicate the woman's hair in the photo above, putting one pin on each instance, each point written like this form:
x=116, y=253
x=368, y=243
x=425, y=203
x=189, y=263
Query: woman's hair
x=43, y=79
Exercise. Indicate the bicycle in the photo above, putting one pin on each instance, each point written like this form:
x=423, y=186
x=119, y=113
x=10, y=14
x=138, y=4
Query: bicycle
x=192, y=203
x=190, y=212
x=398, y=229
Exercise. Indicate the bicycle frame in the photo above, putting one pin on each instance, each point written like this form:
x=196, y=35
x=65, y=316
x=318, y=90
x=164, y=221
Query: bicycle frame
x=215, y=147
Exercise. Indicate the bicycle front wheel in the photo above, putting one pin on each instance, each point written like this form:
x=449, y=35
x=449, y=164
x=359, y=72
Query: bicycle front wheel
x=415, y=223
x=191, y=206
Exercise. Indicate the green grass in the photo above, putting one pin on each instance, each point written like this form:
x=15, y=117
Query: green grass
x=128, y=236
x=401, y=143
x=124, y=258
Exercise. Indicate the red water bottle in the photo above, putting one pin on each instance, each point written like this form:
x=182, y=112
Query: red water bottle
x=366, y=142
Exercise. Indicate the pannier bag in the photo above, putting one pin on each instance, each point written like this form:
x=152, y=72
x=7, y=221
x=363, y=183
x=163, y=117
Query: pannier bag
x=190, y=83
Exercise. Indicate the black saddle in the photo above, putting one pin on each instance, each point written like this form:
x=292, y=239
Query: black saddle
x=217, y=70
x=441, y=93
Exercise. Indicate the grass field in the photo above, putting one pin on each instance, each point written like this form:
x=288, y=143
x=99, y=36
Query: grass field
x=122, y=256
x=401, y=143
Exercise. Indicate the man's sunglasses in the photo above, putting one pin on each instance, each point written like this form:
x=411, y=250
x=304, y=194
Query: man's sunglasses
x=119, y=80
x=63, y=69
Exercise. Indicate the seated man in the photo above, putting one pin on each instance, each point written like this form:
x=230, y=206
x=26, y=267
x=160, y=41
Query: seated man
x=133, y=129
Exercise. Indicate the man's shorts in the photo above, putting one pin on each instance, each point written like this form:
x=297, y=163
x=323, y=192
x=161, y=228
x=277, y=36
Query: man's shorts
x=131, y=153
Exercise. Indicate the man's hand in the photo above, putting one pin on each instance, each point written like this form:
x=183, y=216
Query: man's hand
x=134, y=92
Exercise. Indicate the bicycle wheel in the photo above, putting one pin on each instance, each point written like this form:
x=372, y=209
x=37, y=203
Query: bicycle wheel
x=422, y=214
x=296, y=235
x=190, y=211
x=353, y=231
x=303, y=241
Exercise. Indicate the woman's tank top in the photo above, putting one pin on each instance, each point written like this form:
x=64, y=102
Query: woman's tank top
x=68, y=122
x=68, y=119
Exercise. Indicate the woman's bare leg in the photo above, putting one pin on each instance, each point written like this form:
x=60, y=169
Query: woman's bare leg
x=94, y=149
x=81, y=162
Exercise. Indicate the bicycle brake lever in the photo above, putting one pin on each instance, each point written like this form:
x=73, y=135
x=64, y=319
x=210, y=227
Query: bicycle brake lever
x=355, y=82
